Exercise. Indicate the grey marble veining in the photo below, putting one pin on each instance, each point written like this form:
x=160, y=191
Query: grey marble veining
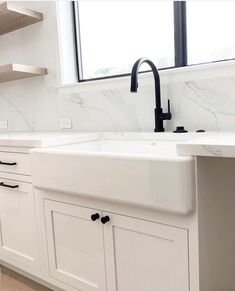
x=35, y=105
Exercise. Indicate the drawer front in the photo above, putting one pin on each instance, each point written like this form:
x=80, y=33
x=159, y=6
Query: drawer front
x=15, y=163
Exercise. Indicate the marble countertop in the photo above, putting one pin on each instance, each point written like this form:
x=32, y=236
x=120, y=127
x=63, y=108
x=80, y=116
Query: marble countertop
x=43, y=139
x=54, y=139
x=213, y=144
x=210, y=144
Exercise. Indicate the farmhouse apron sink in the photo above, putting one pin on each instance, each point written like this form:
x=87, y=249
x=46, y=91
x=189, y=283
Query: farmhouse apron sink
x=137, y=169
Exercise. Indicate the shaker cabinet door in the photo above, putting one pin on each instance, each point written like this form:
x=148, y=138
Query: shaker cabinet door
x=142, y=255
x=19, y=239
x=75, y=246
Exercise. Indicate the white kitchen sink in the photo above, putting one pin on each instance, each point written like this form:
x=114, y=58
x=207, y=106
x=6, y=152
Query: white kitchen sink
x=125, y=147
x=136, y=169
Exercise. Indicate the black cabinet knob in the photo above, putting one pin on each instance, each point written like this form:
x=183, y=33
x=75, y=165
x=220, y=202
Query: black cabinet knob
x=105, y=219
x=95, y=216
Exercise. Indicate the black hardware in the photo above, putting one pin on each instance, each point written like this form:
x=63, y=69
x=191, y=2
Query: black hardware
x=7, y=164
x=95, y=216
x=200, y=130
x=159, y=115
x=105, y=219
x=180, y=129
x=169, y=105
x=9, y=186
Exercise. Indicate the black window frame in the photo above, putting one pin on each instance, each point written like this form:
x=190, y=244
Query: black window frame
x=180, y=41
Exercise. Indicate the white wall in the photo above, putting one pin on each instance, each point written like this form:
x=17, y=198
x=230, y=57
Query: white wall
x=32, y=103
x=35, y=104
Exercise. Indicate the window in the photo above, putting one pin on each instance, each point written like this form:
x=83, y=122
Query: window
x=112, y=35
x=211, y=27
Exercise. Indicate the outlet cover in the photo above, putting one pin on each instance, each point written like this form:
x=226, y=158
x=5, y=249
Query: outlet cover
x=3, y=124
x=65, y=123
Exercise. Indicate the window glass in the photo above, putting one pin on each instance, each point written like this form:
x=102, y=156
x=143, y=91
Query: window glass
x=114, y=34
x=210, y=31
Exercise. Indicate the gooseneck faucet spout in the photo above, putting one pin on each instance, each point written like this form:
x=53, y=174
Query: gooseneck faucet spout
x=159, y=115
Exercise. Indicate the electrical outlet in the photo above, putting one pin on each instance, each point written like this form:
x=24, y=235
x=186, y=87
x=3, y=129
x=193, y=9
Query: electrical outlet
x=65, y=123
x=3, y=124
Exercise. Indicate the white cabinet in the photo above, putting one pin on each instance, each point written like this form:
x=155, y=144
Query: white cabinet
x=75, y=246
x=19, y=240
x=130, y=254
x=18, y=243
x=142, y=255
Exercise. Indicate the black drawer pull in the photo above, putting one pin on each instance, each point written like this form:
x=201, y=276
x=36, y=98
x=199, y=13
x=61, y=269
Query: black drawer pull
x=8, y=186
x=7, y=164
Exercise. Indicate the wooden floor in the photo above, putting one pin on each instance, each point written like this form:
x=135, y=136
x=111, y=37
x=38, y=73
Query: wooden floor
x=11, y=281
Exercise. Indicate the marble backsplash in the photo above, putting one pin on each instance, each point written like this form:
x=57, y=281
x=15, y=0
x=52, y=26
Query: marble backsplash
x=36, y=105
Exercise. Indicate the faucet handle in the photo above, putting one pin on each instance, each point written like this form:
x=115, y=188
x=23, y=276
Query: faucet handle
x=169, y=106
x=168, y=115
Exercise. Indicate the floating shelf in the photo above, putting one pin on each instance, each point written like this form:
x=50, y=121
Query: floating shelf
x=13, y=72
x=13, y=17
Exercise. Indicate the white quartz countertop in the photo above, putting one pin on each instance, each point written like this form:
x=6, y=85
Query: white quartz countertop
x=42, y=139
x=213, y=144
x=54, y=139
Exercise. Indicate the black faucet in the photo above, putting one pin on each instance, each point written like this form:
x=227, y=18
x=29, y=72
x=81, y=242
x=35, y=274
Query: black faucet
x=159, y=115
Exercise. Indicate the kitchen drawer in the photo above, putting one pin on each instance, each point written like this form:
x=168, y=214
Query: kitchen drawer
x=15, y=163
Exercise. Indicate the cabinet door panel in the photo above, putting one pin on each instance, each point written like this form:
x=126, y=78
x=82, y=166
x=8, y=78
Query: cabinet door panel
x=75, y=244
x=19, y=242
x=142, y=255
